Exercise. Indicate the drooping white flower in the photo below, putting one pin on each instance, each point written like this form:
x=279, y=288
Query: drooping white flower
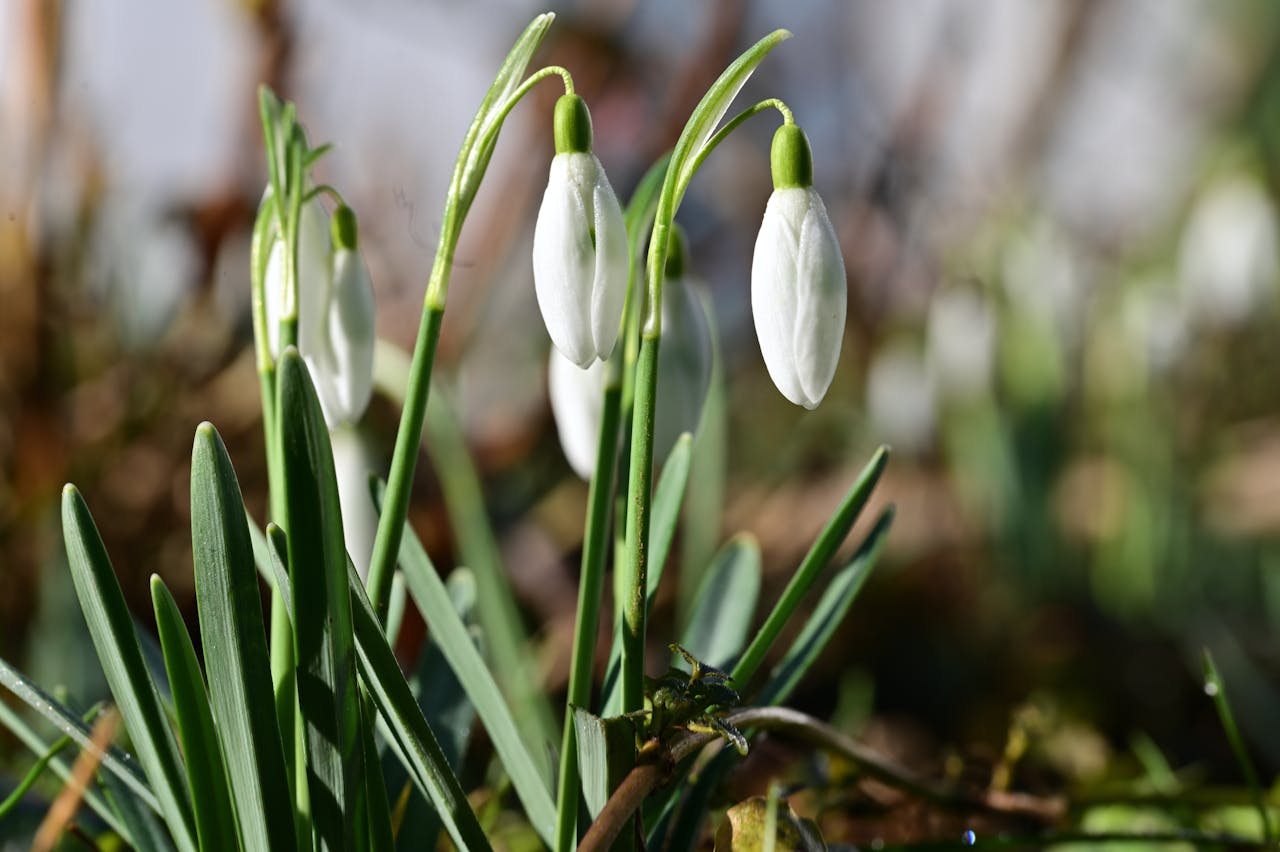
x=335, y=310
x=580, y=253
x=798, y=289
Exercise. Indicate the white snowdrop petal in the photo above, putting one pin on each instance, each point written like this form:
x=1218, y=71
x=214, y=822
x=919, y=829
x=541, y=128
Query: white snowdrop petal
x=610, y=286
x=273, y=295
x=576, y=399
x=772, y=291
x=564, y=265
x=314, y=282
x=820, y=301
x=351, y=333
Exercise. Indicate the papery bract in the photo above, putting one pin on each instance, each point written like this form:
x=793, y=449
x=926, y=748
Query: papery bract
x=313, y=281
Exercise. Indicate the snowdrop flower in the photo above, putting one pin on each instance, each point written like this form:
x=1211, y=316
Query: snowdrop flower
x=684, y=376
x=798, y=295
x=350, y=327
x=580, y=253
x=335, y=310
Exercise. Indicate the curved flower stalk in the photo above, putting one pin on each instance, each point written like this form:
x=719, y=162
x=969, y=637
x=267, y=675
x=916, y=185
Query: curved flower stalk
x=579, y=245
x=798, y=289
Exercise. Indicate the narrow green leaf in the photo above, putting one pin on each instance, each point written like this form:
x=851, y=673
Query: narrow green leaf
x=827, y=617
x=324, y=647
x=111, y=628
x=70, y=724
x=820, y=553
x=146, y=834
x=206, y=771
x=529, y=777
x=725, y=604
x=408, y=726
x=380, y=836
x=37, y=745
x=445, y=705
x=277, y=557
x=1215, y=689
x=235, y=648
x=606, y=753
x=33, y=775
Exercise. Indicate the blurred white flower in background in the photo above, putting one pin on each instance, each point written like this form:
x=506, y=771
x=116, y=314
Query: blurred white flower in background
x=960, y=340
x=900, y=397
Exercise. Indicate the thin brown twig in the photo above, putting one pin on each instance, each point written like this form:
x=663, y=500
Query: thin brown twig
x=64, y=808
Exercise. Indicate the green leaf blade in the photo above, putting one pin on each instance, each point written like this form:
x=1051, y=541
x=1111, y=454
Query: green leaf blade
x=725, y=604
x=235, y=647
x=111, y=628
x=820, y=553
x=324, y=645
x=394, y=699
x=206, y=771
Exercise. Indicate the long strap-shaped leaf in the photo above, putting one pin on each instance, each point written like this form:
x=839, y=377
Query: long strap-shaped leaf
x=725, y=604
x=215, y=817
x=432, y=599
x=417, y=743
x=820, y=553
x=235, y=648
x=111, y=629
x=324, y=647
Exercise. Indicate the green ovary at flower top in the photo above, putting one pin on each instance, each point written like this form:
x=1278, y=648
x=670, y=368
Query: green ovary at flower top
x=335, y=307
x=580, y=254
x=798, y=288
x=684, y=375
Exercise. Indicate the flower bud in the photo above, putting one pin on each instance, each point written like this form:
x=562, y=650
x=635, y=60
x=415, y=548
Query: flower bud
x=350, y=321
x=577, y=397
x=580, y=255
x=313, y=283
x=798, y=288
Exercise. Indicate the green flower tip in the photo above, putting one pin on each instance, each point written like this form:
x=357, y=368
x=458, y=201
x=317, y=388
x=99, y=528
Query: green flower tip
x=342, y=228
x=675, y=253
x=790, y=158
x=572, y=125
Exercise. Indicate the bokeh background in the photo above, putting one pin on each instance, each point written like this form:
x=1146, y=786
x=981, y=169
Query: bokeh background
x=1060, y=226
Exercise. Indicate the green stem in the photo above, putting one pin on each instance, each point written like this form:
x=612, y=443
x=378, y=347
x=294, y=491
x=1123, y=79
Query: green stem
x=405, y=457
x=595, y=547
x=639, y=495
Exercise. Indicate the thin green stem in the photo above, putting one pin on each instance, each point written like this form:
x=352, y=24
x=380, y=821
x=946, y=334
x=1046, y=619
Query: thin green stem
x=1214, y=687
x=405, y=457
x=732, y=125
x=639, y=496
x=590, y=583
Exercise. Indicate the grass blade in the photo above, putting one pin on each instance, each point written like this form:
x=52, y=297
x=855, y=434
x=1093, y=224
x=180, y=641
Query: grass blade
x=36, y=744
x=726, y=603
x=33, y=775
x=827, y=616
x=324, y=647
x=1214, y=688
x=111, y=628
x=235, y=647
x=118, y=762
x=529, y=777
x=606, y=753
x=215, y=818
x=414, y=737
x=824, y=547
